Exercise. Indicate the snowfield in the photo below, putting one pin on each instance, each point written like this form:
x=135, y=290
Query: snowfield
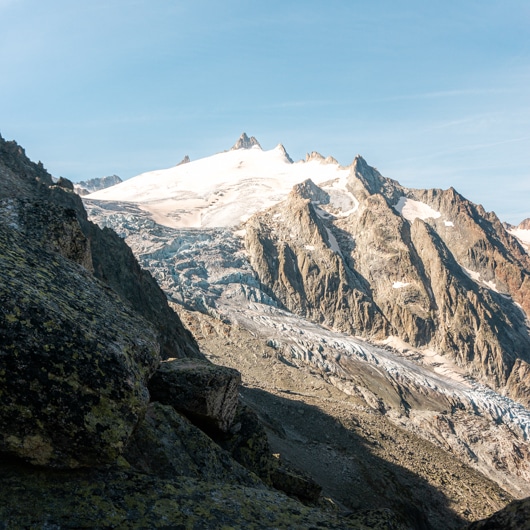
x=224, y=189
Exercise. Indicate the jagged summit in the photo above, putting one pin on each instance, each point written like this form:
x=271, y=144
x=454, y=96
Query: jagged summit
x=315, y=155
x=245, y=142
x=282, y=149
x=185, y=160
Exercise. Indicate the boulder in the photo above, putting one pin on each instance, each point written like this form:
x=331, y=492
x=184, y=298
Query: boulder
x=204, y=392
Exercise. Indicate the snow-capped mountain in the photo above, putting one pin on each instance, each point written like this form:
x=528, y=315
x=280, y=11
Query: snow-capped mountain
x=90, y=186
x=316, y=259
x=221, y=190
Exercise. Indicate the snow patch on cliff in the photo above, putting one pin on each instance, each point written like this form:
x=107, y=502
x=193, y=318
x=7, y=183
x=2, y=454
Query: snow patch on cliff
x=411, y=209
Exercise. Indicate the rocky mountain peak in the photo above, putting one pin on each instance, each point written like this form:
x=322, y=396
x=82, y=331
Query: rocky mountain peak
x=185, y=160
x=244, y=142
x=524, y=225
x=315, y=155
x=373, y=182
x=282, y=149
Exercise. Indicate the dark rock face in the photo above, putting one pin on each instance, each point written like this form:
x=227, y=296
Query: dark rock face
x=248, y=444
x=19, y=176
x=74, y=361
x=75, y=352
x=166, y=444
x=56, y=218
x=516, y=516
x=205, y=392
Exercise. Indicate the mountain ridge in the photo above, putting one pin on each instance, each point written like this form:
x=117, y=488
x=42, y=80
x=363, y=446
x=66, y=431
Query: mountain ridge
x=348, y=252
x=365, y=317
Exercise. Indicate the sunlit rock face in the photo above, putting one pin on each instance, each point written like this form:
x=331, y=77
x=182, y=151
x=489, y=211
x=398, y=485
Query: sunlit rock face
x=434, y=270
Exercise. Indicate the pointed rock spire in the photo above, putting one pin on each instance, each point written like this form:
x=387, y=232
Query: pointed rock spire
x=282, y=149
x=185, y=160
x=245, y=142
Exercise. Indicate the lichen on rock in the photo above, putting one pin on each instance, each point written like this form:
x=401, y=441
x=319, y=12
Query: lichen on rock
x=74, y=360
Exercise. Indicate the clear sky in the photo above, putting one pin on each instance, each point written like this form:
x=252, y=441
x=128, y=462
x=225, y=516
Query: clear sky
x=433, y=93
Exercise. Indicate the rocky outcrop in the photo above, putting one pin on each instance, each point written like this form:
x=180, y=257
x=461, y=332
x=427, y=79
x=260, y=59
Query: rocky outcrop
x=54, y=216
x=205, y=392
x=244, y=142
x=74, y=361
x=166, y=445
x=480, y=243
x=19, y=176
x=516, y=516
x=297, y=257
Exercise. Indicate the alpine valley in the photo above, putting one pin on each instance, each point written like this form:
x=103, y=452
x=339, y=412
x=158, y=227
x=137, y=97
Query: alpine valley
x=382, y=335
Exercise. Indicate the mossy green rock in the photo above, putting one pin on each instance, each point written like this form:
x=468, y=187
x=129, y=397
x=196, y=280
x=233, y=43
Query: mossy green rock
x=167, y=444
x=74, y=360
x=121, y=498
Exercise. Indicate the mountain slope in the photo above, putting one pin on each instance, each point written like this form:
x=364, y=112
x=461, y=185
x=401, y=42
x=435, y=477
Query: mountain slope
x=83, y=440
x=310, y=258
x=434, y=270
x=220, y=190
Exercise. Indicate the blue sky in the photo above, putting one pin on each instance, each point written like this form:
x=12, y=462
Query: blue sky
x=432, y=93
